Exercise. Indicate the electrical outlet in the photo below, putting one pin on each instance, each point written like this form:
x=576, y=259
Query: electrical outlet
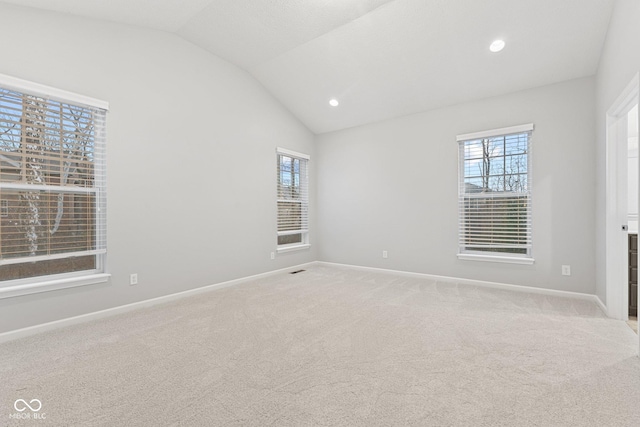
x=566, y=270
x=273, y=255
x=133, y=279
x=385, y=254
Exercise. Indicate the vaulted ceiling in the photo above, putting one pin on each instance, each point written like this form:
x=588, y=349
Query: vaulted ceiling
x=379, y=58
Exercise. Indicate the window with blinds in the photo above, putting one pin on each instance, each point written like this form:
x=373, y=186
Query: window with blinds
x=494, y=192
x=52, y=185
x=292, y=199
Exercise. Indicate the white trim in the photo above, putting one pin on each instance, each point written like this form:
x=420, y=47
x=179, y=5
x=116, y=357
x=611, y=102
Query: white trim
x=496, y=258
x=474, y=282
x=50, y=92
x=52, y=285
x=627, y=97
x=616, y=283
x=62, y=255
x=50, y=188
x=602, y=306
x=294, y=247
x=292, y=232
x=495, y=132
x=292, y=153
x=56, y=324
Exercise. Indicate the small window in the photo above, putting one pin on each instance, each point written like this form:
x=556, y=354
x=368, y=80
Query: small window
x=494, y=193
x=292, y=200
x=4, y=208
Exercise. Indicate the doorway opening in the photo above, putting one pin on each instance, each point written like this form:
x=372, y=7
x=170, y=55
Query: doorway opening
x=633, y=189
x=622, y=202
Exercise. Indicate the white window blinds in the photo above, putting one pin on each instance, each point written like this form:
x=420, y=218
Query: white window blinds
x=292, y=198
x=52, y=184
x=494, y=192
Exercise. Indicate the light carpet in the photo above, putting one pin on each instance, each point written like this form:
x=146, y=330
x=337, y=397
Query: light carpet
x=333, y=347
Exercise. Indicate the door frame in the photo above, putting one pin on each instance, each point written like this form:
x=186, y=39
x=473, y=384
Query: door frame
x=617, y=289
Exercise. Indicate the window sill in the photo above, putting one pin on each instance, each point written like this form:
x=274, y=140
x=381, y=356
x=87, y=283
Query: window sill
x=497, y=258
x=52, y=285
x=292, y=248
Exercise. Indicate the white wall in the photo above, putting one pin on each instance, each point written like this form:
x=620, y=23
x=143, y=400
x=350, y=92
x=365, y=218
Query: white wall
x=619, y=63
x=393, y=186
x=191, y=158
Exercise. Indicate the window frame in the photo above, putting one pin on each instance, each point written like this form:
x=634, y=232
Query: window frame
x=304, y=201
x=494, y=256
x=45, y=283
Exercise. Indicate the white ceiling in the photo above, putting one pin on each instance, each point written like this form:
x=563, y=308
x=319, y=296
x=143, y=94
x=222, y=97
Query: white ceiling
x=380, y=58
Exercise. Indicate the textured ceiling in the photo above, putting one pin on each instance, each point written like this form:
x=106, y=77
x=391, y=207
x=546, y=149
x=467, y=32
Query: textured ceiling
x=380, y=58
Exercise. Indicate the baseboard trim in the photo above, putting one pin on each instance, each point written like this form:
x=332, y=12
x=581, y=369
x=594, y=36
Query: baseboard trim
x=56, y=324
x=482, y=283
x=602, y=305
x=36, y=329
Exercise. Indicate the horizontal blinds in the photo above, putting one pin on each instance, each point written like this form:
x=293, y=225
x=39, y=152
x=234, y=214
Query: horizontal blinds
x=292, y=193
x=495, y=194
x=52, y=178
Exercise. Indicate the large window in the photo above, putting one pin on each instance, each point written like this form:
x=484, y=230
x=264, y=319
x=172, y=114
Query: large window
x=494, y=194
x=293, y=200
x=52, y=183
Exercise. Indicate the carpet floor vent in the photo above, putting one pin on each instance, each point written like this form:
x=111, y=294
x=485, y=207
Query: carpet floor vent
x=297, y=271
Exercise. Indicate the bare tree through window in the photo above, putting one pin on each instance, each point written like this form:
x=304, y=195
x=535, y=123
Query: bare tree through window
x=47, y=168
x=495, y=194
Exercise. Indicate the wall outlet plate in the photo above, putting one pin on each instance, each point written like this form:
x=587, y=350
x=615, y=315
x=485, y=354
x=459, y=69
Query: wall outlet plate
x=133, y=279
x=566, y=270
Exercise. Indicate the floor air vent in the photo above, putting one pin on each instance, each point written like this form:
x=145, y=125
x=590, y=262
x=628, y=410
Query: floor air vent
x=297, y=271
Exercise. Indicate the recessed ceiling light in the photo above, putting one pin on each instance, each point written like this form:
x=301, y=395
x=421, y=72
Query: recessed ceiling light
x=334, y=102
x=497, y=46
